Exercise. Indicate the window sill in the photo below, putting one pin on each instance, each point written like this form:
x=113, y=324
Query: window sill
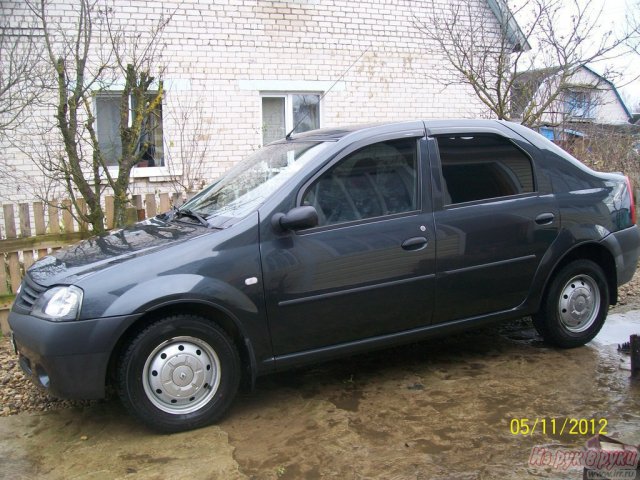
x=145, y=172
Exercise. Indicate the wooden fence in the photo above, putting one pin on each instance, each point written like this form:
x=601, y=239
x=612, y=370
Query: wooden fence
x=34, y=230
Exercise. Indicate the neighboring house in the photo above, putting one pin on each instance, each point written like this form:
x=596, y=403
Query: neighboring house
x=242, y=73
x=585, y=99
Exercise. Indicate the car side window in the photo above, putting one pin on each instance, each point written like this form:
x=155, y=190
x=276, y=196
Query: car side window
x=482, y=167
x=377, y=180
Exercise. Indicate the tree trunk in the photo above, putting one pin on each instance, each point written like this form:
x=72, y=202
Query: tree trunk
x=120, y=204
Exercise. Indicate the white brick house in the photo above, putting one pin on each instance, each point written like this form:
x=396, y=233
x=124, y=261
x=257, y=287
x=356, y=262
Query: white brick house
x=243, y=70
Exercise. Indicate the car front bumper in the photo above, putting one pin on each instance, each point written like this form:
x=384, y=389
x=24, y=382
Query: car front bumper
x=68, y=359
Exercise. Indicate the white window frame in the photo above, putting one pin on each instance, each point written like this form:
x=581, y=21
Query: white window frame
x=288, y=108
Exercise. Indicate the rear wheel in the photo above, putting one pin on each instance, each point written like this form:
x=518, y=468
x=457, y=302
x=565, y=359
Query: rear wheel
x=179, y=373
x=575, y=305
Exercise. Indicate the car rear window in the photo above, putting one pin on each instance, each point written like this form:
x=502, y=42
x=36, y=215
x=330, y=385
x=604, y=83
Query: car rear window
x=479, y=167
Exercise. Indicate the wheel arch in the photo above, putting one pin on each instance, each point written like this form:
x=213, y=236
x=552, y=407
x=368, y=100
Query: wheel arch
x=598, y=254
x=214, y=313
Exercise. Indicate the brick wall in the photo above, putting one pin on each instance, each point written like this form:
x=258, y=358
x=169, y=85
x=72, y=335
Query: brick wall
x=218, y=54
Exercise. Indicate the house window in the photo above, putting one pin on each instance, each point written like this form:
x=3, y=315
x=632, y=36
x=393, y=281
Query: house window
x=579, y=104
x=282, y=112
x=108, y=129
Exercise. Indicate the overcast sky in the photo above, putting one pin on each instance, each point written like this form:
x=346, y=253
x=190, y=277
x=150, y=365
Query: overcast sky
x=614, y=15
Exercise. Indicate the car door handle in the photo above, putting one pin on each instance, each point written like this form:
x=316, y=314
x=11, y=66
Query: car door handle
x=415, y=243
x=545, y=218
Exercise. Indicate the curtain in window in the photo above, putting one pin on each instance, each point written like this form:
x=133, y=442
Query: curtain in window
x=306, y=112
x=108, y=127
x=151, y=138
x=273, y=119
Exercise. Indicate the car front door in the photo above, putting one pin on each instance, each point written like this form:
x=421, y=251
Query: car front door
x=368, y=268
x=494, y=224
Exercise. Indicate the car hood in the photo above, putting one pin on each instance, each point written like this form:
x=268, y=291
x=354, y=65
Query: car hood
x=97, y=253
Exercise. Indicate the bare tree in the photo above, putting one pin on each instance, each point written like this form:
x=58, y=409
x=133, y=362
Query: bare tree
x=136, y=56
x=190, y=147
x=87, y=53
x=497, y=61
x=21, y=77
x=606, y=147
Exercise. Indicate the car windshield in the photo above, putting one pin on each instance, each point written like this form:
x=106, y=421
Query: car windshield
x=246, y=186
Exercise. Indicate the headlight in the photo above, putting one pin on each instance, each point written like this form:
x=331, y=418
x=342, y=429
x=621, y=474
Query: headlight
x=59, y=303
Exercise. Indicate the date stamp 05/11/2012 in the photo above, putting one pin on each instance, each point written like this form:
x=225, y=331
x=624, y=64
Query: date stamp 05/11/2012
x=558, y=426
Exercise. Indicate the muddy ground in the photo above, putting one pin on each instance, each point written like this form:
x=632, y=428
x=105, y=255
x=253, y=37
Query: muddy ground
x=435, y=410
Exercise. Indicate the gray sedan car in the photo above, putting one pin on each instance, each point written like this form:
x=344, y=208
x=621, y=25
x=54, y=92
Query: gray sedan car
x=329, y=243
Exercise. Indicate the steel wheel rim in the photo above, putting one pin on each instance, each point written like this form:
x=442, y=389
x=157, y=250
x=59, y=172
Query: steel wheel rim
x=181, y=375
x=579, y=303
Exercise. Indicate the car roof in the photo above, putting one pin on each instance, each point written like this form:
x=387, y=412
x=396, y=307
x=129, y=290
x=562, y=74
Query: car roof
x=335, y=134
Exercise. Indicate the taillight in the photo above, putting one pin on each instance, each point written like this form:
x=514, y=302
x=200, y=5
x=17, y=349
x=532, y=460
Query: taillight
x=632, y=203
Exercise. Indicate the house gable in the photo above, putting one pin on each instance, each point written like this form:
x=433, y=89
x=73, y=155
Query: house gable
x=585, y=96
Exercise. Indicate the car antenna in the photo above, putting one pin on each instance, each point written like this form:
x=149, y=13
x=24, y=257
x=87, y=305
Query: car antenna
x=288, y=136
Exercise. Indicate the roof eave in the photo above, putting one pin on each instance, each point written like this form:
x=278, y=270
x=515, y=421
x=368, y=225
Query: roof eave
x=509, y=25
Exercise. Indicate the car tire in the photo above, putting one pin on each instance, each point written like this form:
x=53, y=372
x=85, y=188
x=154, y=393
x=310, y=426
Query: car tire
x=575, y=305
x=179, y=373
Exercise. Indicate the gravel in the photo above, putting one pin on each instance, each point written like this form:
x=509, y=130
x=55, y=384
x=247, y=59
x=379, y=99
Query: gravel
x=18, y=394
x=629, y=293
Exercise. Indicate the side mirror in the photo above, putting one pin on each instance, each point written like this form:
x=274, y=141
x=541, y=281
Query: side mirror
x=296, y=219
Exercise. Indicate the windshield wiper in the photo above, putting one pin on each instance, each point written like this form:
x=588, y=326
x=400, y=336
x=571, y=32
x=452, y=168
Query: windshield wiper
x=183, y=212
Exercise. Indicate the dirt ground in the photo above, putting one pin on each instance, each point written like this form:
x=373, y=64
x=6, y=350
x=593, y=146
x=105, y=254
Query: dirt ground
x=442, y=409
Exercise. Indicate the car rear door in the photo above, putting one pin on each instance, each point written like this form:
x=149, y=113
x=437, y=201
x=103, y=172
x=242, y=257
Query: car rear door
x=494, y=222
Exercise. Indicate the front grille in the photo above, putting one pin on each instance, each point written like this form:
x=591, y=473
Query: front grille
x=29, y=293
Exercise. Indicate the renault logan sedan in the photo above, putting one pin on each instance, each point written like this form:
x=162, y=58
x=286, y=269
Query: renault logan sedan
x=329, y=243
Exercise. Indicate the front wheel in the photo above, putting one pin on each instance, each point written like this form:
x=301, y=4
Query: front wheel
x=179, y=373
x=575, y=305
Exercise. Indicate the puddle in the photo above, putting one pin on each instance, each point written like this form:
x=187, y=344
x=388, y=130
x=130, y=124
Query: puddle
x=617, y=328
x=347, y=400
